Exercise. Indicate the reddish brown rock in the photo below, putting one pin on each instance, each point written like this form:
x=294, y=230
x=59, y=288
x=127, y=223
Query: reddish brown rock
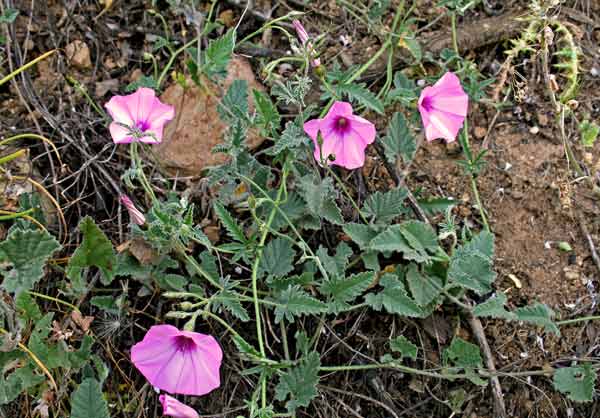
x=197, y=127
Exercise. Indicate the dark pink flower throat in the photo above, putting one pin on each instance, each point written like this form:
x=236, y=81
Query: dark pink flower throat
x=342, y=125
x=184, y=343
x=142, y=125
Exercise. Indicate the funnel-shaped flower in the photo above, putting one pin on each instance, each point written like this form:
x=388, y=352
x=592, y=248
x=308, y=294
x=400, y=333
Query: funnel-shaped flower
x=443, y=108
x=137, y=217
x=173, y=408
x=140, y=116
x=305, y=41
x=180, y=362
x=345, y=136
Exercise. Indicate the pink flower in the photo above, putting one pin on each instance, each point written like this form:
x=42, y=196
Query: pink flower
x=305, y=41
x=345, y=136
x=443, y=108
x=182, y=362
x=173, y=408
x=137, y=217
x=140, y=116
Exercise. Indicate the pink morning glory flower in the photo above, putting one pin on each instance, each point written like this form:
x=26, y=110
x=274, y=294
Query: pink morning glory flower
x=305, y=41
x=443, y=108
x=345, y=136
x=173, y=408
x=181, y=362
x=139, y=116
x=137, y=217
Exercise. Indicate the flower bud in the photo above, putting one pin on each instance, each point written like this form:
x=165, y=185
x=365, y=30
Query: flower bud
x=136, y=216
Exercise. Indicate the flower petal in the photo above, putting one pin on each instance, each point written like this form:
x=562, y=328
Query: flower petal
x=120, y=134
x=443, y=125
x=339, y=109
x=118, y=109
x=193, y=370
x=363, y=128
x=173, y=408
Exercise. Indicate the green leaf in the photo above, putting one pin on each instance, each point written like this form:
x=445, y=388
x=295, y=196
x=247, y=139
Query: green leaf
x=218, y=54
x=576, y=382
x=421, y=286
x=294, y=302
x=277, y=258
x=361, y=94
x=494, y=307
x=9, y=15
x=341, y=291
x=319, y=196
x=234, y=105
x=229, y=301
x=433, y=206
x=462, y=354
x=27, y=307
x=471, y=264
x=245, y=347
x=538, y=314
x=404, y=347
x=233, y=229
x=336, y=265
x=394, y=298
x=415, y=240
x=143, y=81
x=95, y=250
x=292, y=137
x=384, y=207
x=24, y=254
x=399, y=140
x=88, y=401
x=589, y=133
x=360, y=233
x=299, y=383
x=268, y=116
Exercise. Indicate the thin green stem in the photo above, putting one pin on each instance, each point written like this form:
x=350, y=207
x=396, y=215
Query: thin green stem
x=182, y=251
x=16, y=215
x=479, y=204
x=137, y=162
x=406, y=369
x=172, y=58
x=454, y=36
x=576, y=320
x=13, y=156
x=255, y=268
x=56, y=300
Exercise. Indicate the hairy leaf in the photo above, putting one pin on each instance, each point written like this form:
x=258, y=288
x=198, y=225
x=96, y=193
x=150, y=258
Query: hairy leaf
x=403, y=346
x=88, y=401
x=25, y=253
x=577, y=382
x=471, y=264
x=399, y=141
x=95, y=250
x=462, y=354
x=494, y=307
x=233, y=229
x=292, y=137
x=415, y=240
x=360, y=233
x=277, y=258
x=538, y=314
x=234, y=105
x=268, y=116
x=361, y=94
x=341, y=291
x=294, y=302
x=299, y=383
x=424, y=288
x=218, y=54
x=384, y=207
x=394, y=298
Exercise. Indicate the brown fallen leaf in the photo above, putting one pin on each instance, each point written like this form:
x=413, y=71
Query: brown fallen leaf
x=81, y=321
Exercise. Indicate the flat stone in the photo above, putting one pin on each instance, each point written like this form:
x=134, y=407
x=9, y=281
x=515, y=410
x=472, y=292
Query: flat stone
x=197, y=127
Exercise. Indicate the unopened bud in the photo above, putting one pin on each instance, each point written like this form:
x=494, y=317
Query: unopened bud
x=186, y=306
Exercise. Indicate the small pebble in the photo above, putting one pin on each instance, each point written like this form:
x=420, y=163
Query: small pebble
x=534, y=130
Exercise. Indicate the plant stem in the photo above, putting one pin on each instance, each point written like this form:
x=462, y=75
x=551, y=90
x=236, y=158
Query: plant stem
x=26, y=66
x=575, y=320
x=137, y=162
x=454, y=36
x=255, y=267
x=396, y=366
x=42, y=296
